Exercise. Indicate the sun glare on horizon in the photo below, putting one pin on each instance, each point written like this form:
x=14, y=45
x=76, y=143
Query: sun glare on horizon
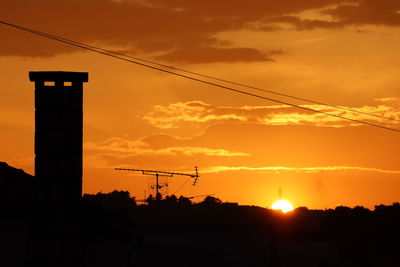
x=283, y=205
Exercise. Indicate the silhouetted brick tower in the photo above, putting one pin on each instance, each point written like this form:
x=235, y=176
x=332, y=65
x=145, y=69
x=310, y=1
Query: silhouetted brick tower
x=58, y=134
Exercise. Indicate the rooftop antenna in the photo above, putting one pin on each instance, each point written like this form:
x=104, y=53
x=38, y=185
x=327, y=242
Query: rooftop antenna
x=145, y=199
x=158, y=174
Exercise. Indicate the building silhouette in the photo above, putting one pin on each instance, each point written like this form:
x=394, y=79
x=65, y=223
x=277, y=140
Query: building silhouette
x=16, y=186
x=58, y=134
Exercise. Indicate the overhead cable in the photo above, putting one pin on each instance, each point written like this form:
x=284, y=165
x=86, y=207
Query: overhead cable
x=107, y=53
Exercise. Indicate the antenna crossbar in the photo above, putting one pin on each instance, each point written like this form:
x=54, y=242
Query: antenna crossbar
x=160, y=173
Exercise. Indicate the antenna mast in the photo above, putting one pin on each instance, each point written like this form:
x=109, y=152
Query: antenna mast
x=158, y=174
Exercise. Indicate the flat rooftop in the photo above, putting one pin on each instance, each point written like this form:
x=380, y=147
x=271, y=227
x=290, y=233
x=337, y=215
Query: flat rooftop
x=58, y=76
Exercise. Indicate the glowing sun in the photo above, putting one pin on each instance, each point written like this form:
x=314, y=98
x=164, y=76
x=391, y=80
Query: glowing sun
x=282, y=205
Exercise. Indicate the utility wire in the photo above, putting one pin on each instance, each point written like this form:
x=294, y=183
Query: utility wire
x=200, y=74
x=103, y=52
x=179, y=189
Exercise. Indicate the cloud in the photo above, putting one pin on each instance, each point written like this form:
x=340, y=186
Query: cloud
x=252, y=145
x=217, y=169
x=143, y=147
x=342, y=14
x=161, y=150
x=296, y=22
x=193, y=111
x=368, y=12
x=173, y=30
x=167, y=29
x=387, y=99
x=214, y=54
x=179, y=114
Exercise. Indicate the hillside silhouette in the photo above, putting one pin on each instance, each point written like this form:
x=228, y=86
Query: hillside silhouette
x=112, y=229
x=16, y=186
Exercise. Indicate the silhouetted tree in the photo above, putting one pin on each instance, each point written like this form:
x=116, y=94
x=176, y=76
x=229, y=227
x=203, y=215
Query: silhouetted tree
x=342, y=210
x=171, y=200
x=114, y=199
x=150, y=199
x=301, y=210
x=210, y=201
x=184, y=202
x=361, y=211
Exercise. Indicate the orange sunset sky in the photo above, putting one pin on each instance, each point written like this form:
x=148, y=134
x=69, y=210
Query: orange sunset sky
x=345, y=53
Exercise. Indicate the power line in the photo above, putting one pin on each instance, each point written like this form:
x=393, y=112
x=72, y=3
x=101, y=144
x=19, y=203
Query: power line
x=179, y=189
x=103, y=52
x=199, y=74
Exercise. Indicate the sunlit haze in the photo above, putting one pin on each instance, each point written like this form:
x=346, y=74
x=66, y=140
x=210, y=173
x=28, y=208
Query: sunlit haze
x=283, y=205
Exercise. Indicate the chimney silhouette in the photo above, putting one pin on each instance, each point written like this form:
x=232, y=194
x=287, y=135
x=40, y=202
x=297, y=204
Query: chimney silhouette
x=58, y=134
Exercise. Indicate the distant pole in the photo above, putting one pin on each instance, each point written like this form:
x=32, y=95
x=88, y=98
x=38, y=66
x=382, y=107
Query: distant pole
x=157, y=201
x=157, y=187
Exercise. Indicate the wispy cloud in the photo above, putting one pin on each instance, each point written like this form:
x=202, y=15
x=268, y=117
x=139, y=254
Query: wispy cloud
x=198, y=112
x=387, y=99
x=193, y=111
x=131, y=148
x=217, y=169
